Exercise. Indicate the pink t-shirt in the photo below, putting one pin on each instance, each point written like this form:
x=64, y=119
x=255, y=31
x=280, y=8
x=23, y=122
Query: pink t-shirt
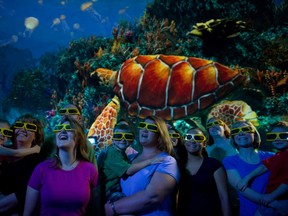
x=64, y=192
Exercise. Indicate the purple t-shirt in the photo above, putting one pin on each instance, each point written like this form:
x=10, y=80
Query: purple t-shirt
x=64, y=192
x=248, y=208
x=140, y=180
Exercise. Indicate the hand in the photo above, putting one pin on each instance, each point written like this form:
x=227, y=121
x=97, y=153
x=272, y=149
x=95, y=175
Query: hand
x=36, y=148
x=266, y=199
x=242, y=184
x=157, y=160
x=108, y=209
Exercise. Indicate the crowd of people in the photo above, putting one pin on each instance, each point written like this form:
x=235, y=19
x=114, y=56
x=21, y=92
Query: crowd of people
x=206, y=170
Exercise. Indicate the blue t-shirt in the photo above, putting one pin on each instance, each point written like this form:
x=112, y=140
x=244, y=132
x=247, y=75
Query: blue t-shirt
x=259, y=183
x=140, y=180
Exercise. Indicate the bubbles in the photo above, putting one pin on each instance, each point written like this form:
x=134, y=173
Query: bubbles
x=5, y=42
x=30, y=23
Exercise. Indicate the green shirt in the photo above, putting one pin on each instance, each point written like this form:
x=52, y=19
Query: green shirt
x=114, y=167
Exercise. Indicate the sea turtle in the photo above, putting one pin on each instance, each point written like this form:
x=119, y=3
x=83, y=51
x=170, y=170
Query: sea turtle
x=171, y=87
x=218, y=28
x=231, y=111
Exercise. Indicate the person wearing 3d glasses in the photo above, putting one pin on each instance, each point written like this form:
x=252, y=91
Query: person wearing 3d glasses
x=246, y=138
x=27, y=133
x=149, y=191
x=203, y=184
x=74, y=112
x=7, y=153
x=116, y=164
x=63, y=185
x=277, y=187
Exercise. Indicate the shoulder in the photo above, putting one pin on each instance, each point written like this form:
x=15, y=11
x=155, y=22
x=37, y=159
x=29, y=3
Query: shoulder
x=87, y=165
x=168, y=166
x=230, y=161
x=265, y=154
x=45, y=165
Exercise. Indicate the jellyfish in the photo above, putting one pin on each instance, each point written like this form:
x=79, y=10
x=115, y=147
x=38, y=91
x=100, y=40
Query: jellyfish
x=123, y=12
x=56, y=21
x=5, y=42
x=65, y=25
x=87, y=7
x=30, y=23
x=76, y=26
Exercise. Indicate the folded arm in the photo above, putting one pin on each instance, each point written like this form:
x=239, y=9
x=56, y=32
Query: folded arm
x=160, y=186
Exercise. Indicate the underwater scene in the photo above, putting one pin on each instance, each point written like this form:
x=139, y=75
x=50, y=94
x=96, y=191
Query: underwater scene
x=182, y=60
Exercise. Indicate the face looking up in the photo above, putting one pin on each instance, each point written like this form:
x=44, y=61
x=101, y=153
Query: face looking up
x=148, y=133
x=64, y=135
x=174, y=137
x=25, y=133
x=215, y=127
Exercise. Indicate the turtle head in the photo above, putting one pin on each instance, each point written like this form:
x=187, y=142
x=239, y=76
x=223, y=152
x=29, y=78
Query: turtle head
x=106, y=76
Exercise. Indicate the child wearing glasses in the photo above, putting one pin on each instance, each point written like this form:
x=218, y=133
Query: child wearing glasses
x=203, y=183
x=277, y=187
x=116, y=164
x=245, y=137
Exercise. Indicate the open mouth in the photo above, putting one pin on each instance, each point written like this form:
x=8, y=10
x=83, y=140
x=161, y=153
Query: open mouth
x=63, y=136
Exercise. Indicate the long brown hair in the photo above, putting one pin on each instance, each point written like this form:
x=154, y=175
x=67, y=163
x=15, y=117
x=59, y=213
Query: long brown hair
x=80, y=140
x=164, y=141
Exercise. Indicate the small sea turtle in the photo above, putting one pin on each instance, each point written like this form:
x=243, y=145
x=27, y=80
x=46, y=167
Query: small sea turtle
x=171, y=87
x=232, y=111
x=218, y=28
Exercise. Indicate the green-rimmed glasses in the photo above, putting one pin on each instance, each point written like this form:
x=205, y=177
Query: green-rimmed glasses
x=28, y=126
x=174, y=135
x=120, y=135
x=272, y=136
x=195, y=137
x=215, y=123
x=148, y=126
x=246, y=129
x=6, y=132
x=60, y=127
x=69, y=111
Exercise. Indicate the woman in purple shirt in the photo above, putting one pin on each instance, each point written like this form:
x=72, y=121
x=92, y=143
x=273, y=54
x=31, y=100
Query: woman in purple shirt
x=63, y=184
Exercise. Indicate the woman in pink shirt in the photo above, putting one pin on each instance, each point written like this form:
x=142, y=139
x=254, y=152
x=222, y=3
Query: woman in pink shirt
x=64, y=183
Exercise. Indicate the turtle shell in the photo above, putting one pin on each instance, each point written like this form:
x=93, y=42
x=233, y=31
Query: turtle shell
x=172, y=87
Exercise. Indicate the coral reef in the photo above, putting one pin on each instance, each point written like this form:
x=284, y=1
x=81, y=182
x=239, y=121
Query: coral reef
x=260, y=52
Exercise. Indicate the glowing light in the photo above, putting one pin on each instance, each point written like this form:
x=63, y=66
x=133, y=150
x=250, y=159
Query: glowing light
x=30, y=23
